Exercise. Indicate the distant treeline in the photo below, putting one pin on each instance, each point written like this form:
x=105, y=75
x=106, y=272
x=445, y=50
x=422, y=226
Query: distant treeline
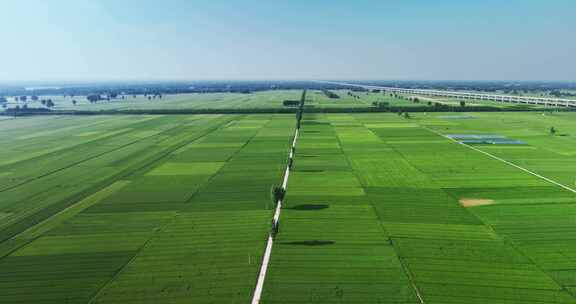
x=330, y=94
x=390, y=109
x=558, y=89
x=291, y=103
x=164, y=88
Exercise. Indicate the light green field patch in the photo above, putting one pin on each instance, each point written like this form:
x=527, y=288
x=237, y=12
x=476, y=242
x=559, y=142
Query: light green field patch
x=210, y=145
x=16, y=157
x=142, y=134
x=246, y=124
x=507, y=147
x=431, y=141
x=237, y=144
x=440, y=231
x=440, y=123
x=62, y=216
x=84, y=243
x=391, y=125
x=346, y=124
x=192, y=168
x=88, y=134
x=4, y=215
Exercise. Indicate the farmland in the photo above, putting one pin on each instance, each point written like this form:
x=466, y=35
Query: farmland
x=385, y=210
x=131, y=209
x=379, y=208
x=267, y=101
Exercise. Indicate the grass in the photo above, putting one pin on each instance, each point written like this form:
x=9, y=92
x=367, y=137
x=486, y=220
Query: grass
x=176, y=208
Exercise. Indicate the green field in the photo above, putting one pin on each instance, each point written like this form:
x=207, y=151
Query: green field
x=272, y=99
x=382, y=209
x=264, y=99
x=379, y=208
x=137, y=209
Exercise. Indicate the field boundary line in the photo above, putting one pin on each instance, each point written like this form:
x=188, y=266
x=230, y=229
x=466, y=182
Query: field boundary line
x=270, y=242
x=108, y=182
x=505, y=161
x=162, y=226
x=68, y=166
x=403, y=265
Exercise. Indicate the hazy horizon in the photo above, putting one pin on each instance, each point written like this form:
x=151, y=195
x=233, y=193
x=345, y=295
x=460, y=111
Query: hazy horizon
x=177, y=40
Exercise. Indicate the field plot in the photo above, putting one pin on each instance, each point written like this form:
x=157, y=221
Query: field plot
x=331, y=247
x=273, y=99
x=538, y=220
x=262, y=99
x=137, y=208
x=444, y=221
x=351, y=99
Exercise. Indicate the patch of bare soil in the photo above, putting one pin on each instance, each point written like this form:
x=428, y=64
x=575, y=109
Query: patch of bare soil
x=473, y=202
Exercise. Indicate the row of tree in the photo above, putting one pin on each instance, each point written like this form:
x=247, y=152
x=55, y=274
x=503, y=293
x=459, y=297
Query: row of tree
x=330, y=94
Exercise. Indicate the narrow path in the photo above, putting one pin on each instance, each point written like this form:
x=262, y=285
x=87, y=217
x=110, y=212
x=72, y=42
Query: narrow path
x=504, y=161
x=267, y=253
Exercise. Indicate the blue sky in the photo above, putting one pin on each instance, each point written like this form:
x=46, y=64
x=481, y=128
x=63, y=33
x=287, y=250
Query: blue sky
x=292, y=39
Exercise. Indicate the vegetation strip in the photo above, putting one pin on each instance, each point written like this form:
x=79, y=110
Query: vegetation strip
x=275, y=221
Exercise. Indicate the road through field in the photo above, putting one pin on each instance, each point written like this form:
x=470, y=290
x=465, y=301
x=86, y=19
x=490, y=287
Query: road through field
x=270, y=242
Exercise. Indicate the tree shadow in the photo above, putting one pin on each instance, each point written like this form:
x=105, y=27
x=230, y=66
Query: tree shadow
x=310, y=207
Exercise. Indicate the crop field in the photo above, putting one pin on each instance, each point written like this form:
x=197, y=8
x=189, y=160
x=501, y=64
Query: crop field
x=382, y=209
x=272, y=99
x=264, y=99
x=351, y=99
x=379, y=208
x=132, y=209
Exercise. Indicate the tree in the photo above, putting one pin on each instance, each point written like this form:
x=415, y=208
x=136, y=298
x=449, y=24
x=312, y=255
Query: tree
x=291, y=103
x=74, y=101
x=552, y=130
x=406, y=115
x=23, y=98
x=277, y=193
x=34, y=98
x=93, y=98
x=3, y=100
x=49, y=103
x=462, y=103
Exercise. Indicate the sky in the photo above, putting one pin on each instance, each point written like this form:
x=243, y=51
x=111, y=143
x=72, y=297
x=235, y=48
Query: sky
x=95, y=40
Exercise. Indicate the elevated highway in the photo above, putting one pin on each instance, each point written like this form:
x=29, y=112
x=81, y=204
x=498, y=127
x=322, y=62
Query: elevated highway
x=545, y=101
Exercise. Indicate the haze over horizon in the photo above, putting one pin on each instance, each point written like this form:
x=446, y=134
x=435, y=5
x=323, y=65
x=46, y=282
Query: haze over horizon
x=101, y=40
